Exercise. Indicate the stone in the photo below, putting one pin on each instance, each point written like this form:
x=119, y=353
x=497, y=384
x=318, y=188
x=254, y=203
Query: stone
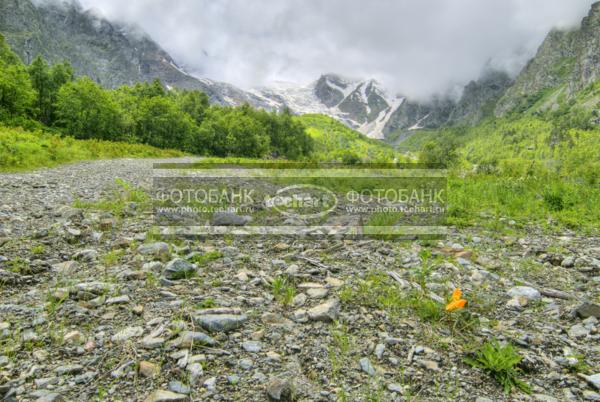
x=179, y=269
x=165, y=396
x=220, y=322
x=73, y=337
x=69, y=369
x=190, y=338
x=210, y=384
x=118, y=300
x=252, y=346
x=317, y=293
x=229, y=219
x=366, y=366
x=379, y=349
x=568, y=262
x=280, y=390
x=578, y=331
x=326, y=312
x=525, y=291
x=179, y=387
x=148, y=369
x=246, y=364
x=429, y=365
x=196, y=371
x=587, y=310
x=127, y=333
x=594, y=380
x=50, y=397
x=397, y=388
x=591, y=396
x=157, y=250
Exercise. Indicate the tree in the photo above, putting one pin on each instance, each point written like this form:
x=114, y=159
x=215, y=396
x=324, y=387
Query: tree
x=16, y=94
x=47, y=81
x=159, y=122
x=85, y=110
x=194, y=103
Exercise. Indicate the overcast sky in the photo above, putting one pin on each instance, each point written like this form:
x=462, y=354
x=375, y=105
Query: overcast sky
x=415, y=47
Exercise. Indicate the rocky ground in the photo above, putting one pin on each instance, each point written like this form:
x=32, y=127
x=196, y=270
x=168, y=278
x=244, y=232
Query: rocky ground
x=95, y=306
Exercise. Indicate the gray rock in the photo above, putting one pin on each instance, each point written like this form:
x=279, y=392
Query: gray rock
x=594, y=380
x=326, y=312
x=280, y=390
x=179, y=269
x=525, y=291
x=50, y=397
x=395, y=388
x=246, y=364
x=190, y=338
x=165, y=396
x=587, y=310
x=233, y=379
x=158, y=250
x=578, y=331
x=252, y=346
x=210, y=384
x=229, y=219
x=379, y=349
x=127, y=333
x=367, y=367
x=220, y=322
x=69, y=369
x=196, y=371
x=179, y=387
x=118, y=300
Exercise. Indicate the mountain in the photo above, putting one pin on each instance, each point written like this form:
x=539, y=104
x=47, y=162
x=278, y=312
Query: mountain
x=113, y=54
x=362, y=105
x=566, y=63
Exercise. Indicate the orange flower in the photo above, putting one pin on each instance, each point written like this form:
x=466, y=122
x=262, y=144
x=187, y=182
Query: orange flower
x=456, y=302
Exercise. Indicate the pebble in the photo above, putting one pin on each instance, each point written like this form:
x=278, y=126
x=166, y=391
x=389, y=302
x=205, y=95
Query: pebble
x=127, y=333
x=148, y=369
x=367, y=367
x=526, y=292
x=220, y=322
x=165, y=396
x=252, y=346
x=326, y=312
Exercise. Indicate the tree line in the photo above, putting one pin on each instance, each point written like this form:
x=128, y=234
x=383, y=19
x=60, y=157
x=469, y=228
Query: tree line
x=41, y=95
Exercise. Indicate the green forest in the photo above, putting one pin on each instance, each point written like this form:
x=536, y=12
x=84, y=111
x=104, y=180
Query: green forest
x=40, y=96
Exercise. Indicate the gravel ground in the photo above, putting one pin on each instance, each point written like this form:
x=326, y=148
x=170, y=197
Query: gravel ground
x=95, y=306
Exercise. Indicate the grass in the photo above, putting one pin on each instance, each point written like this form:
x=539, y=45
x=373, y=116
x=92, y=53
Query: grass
x=25, y=150
x=500, y=362
x=123, y=195
x=283, y=290
x=203, y=259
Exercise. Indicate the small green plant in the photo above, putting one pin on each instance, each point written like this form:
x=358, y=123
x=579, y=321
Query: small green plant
x=112, y=257
x=500, y=362
x=203, y=259
x=18, y=266
x=38, y=249
x=151, y=280
x=283, y=290
x=209, y=302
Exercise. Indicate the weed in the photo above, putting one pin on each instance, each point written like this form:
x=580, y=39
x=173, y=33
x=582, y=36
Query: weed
x=203, y=259
x=112, y=257
x=209, y=302
x=283, y=290
x=500, y=362
x=38, y=249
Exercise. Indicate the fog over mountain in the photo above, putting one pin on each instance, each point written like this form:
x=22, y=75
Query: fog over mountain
x=416, y=48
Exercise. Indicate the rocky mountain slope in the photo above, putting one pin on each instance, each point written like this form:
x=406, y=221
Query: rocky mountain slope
x=566, y=63
x=112, y=54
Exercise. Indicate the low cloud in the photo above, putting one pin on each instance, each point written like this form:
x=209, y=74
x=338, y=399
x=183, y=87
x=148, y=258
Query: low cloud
x=414, y=48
